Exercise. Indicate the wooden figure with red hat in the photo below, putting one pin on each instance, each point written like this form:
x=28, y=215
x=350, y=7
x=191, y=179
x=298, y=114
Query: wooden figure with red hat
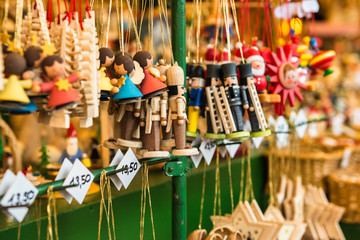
x=211, y=55
x=196, y=96
x=177, y=119
x=224, y=56
x=257, y=62
x=72, y=150
x=251, y=103
x=61, y=92
x=233, y=120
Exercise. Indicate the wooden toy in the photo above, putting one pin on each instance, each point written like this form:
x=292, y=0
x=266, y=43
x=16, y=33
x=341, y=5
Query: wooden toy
x=251, y=102
x=284, y=79
x=215, y=128
x=211, y=55
x=61, y=92
x=151, y=84
x=196, y=96
x=254, y=57
x=177, y=119
x=322, y=60
x=72, y=151
x=106, y=57
x=33, y=56
x=166, y=141
x=236, y=101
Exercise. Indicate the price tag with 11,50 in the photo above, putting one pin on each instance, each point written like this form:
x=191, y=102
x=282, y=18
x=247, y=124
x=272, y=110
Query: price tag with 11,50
x=21, y=193
x=81, y=176
x=132, y=164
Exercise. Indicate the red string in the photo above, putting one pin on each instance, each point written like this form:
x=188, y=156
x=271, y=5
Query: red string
x=58, y=17
x=80, y=17
x=257, y=18
x=269, y=24
x=248, y=20
x=274, y=20
x=67, y=14
x=49, y=13
x=313, y=23
x=88, y=8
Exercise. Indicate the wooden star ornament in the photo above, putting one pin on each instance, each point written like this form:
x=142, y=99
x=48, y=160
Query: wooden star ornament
x=48, y=48
x=63, y=84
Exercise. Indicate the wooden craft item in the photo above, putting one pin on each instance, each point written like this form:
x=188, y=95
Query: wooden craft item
x=223, y=108
x=214, y=113
x=198, y=234
x=287, y=205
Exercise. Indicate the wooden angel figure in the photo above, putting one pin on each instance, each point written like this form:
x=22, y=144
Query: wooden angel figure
x=61, y=91
x=251, y=103
x=151, y=84
x=13, y=97
x=235, y=96
x=129, y=112
x=196, y=97
x=34, y=56
x=106, y=57
x=177, y=103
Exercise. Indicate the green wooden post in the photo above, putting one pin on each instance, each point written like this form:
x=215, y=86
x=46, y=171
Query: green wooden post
x=178, y=38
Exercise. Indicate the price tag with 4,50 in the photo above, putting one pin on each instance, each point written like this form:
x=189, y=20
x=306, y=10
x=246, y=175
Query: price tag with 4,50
x=19, y=197
x=132, y=164
x=207, y=148
x=80, y=176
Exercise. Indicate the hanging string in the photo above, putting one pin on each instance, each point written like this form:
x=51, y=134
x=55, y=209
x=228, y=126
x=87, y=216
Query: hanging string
x=101, y=37
x=108, y=25
x=80, y=16
x=248, y=20
x=164, y=10
x=218, y=17
x=202, y=196
x=38, y=217
x=148, y=190
x=191, y=29
x=257, y=18
x=143, y=203
x=120, y=21
x=233, y=8
x=19, y=231
x=144, y=3
x=134, y=25
x=51, y=211
x=227, y=25
x=217, y=197
x=271, y=12
x=162, y=31
x=268, y=20
x=242, y=176
x=49, y=13
x=103, y=183
x=18, y=24
x=230, y=182
x=242, y=18
x=198, y=15
x=43, y=25
x=6, y=15
x=271, y=187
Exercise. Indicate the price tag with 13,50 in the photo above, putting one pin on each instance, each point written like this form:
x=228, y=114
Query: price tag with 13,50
x=116, y=160
x=132, y=164
x=81, y=176
x=21, y=193
x=63, y=172
x=207, y=148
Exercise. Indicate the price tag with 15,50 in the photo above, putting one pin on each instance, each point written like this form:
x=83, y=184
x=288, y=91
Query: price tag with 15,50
x=21, y=193
x=81, y=176
x=132, y=164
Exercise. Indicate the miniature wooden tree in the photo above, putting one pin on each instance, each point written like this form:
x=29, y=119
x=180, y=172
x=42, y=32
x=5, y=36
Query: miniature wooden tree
x=44, y=158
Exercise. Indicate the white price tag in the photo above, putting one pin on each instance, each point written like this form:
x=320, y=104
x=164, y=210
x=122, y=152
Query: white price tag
x=337, y=124
x=116, y=160
x=231, y=147
x=6, y=182
x=346, y=158
x=247, y=125
x=257, y=141
x=292, y=116
x=130, y=161
x=271, y=122
x=196, y=141
x=281, y=129
x=63, y=172
x=196, y=159
x=301, y=123
x=313, y=130
x=222, y=151
x=81, y=176
x=207, y=148
x=21, y=192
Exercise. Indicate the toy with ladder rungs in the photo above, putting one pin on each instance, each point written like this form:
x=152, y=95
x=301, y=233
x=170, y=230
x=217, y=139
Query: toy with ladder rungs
x=252, y=103
x=214, y=125
x=231, y=115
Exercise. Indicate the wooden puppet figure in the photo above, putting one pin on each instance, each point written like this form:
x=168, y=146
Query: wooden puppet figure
x=215, y=128
x=196, y=96
x=106, y=57
x=258, y=68
x=72, y=151
x=13, y=97
x=151, y=84
x=251, y=102
x=235, y=96
x=128, y=115
x=177, y=103
x=61, y=91
x=167, y=141
x=34, y=56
